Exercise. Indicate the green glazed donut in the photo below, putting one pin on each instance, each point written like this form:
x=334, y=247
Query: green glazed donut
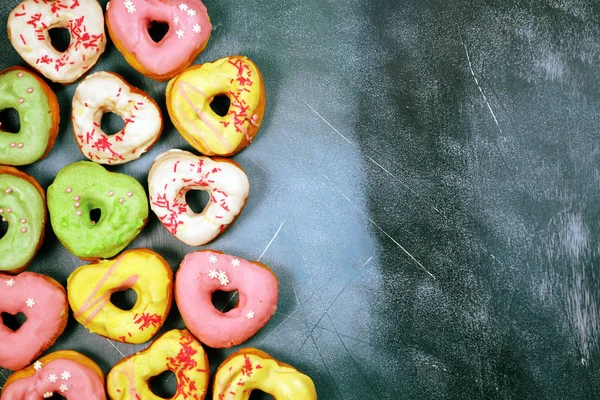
x=95, y=213
x=23, y=206
x=39, y=117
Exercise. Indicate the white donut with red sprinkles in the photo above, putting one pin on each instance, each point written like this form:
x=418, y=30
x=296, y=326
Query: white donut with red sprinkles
x=30, y=22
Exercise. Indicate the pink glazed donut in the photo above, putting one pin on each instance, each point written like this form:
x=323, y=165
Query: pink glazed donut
x=189, y=30
x=44, y=303
x=204, y=272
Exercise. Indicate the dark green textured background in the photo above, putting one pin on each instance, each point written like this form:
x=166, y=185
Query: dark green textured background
x=431, y=168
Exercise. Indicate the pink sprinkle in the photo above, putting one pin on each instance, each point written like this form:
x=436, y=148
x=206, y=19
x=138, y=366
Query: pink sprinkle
x=69, y=190
x=77, y=205
x=3, y=219
x=78, y=213
x=21, y=101
x=111, y=193
x=8, y=190
x=23, y=221
x=23, y=230
x=129, y=194
x=121, y=200
x=20, y=145
x=13, y=144
x=30, y=90
x=20, y=74
x=1, y=211
x=9, y=210
x=77, y=198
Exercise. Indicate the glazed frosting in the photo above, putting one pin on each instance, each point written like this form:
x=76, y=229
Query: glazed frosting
x=191, y=93
x=107, y=92
x=144, y=271
x=23, y=91
x=44, y=303
x=177, y=351
x=64, y=375
x=204, y=272
x=24, y=209
x=83, y=186
x=189, y=30
x=28, y=26
x=176, y=172
x=250, y=369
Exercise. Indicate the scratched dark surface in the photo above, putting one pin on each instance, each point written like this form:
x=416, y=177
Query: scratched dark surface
x=425, y=186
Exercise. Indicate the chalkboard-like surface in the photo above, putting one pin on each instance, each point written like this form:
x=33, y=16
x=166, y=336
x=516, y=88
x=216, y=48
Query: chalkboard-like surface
x=425, y=186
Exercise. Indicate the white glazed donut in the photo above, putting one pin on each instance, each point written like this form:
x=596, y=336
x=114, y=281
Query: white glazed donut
x=28, y=26
x=176, y=172
x=108, y=92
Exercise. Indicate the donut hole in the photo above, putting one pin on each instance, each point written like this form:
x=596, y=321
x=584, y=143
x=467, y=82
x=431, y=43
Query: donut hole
x=124, y=299
x=225, y=301
x=56, y=396
x=220, y=104
x=13, y=322
x=3, y=227
x=257, y=394
x=95, y=215
x=163, y=385
x=157, y=30
x=60, y=38
x=197, y=200
x=10, y=121
x=111, y=123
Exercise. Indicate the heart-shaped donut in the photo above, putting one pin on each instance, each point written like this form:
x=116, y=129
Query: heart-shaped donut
x=249, y=369
x=43, y=301
x=176, y=172
x=90, y=287
x=108, y=92
x=96, y=213
x=39, y=117
x=176, y=351
x=204, y=272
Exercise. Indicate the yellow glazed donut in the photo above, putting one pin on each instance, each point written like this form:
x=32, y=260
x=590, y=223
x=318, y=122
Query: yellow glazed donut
x=250, y=369
x=176, y=351
x=89, y=289
x=190, y=94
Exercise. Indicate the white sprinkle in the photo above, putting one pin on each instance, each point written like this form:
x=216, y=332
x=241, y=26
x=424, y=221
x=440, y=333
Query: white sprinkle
x=129, y=6
x=30, y=302
x=235, y=262
x=183, y=7
x=52, y=378
x=180, y=33
x=10, y=282
x=63, y=388
x=65, y=375
x=212, y=258
x=176, y=19
x=250, y=314
x=37, y=365
x=223, y=279
x=197, y=28
x=213, y=274
x=191, y=12
x=47, y=395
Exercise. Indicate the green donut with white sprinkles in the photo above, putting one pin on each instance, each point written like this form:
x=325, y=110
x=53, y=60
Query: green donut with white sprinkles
x=39, y=117
x=96, y=213
x=23, y=208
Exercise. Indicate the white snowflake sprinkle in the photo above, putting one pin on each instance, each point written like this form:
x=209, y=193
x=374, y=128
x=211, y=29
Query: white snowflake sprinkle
x=30, y=302
x=65, y=375
x=235, y=262
x=176, y=19
x=250, y=314
x=213, y=274
x=37, y=365
x=191, y=13
x=212, y=258
x=183, y=7
x=47, y=395
x=10, y=282
x=52, y=378
x=223, y=279
x=63, y=388
x=197, y=28
x=129, y=6
x=180, y=33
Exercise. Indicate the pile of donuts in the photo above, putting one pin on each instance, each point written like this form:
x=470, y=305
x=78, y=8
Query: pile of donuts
x=96, y=214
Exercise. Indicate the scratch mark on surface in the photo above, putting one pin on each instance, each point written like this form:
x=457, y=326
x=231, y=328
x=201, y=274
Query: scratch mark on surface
x=326, y=367
x=113, y=345
x=385, y=233
x=235, y=293
x=479, y=86
x=257, y=164
x=278, y=326
x=327, y=122
x=269, y=245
